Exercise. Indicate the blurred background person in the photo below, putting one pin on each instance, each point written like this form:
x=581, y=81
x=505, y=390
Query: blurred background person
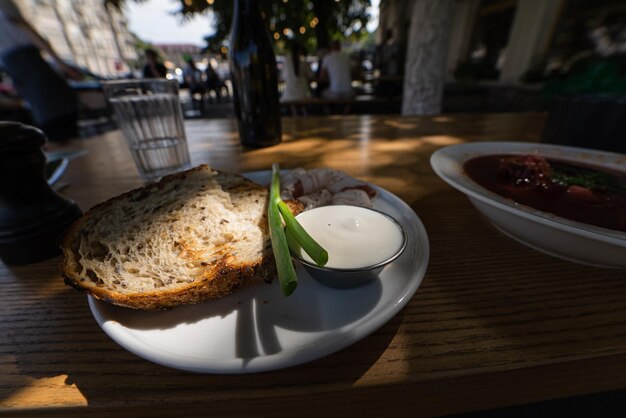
x=153, y=68
x=213, y=82
x=195, y=84
x=336, y=69
x=53, y=103
x=320, y=84
x=296, y=73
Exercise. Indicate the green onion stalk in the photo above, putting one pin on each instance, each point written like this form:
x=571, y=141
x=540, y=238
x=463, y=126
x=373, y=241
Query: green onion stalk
x=286, y=273
x=280, y=245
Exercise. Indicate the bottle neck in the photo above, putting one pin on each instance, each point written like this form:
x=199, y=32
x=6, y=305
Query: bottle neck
x=245, y=7
x=248, y=20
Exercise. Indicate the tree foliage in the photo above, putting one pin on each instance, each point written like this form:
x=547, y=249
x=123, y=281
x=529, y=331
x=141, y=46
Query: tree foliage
x=314, y=23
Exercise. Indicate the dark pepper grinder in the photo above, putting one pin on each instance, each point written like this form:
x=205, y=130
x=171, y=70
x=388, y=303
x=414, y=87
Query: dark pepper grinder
x=33, y=217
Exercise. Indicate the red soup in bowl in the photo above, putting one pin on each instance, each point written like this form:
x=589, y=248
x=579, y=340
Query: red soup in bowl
x=575, y=191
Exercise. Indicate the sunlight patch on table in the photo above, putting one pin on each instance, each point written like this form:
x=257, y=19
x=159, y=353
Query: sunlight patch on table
x=43, y=392
x=383, y=371
x=401, y=145
x=400, y=124
x=443, y=140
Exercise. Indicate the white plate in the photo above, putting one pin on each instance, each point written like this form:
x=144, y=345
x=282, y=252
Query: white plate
x=551, y=234
x=258, y=329
x=57, y=162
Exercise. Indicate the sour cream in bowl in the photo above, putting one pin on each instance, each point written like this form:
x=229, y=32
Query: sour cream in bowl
x=360, y=243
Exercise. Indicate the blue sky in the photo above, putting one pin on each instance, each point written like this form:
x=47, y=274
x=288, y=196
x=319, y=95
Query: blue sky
x=153, y=21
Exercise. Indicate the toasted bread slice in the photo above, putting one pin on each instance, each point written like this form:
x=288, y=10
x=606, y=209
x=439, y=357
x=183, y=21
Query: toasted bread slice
x=191, y=237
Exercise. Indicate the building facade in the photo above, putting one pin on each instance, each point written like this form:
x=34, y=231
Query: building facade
x=85, y=32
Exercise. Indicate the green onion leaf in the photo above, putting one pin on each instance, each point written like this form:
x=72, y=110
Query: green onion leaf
x=292, y=236
x=318, y=254
x=286, y=273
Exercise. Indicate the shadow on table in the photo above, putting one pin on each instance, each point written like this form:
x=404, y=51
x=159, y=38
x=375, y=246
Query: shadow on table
x=490, y=305
x=606, y=405
x=70, y=343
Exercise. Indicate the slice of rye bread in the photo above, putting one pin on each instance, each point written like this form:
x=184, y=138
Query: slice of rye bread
x=191, y=237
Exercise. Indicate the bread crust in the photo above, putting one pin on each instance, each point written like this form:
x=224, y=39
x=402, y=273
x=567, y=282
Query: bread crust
x=219, y=279
x=230, y=279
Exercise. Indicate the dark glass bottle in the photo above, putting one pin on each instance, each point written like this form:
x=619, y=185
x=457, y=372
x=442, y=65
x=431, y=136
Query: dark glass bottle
x=254, y=77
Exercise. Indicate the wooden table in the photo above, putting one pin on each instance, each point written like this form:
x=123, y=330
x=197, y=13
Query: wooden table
x=361, y=104
x=494, y=323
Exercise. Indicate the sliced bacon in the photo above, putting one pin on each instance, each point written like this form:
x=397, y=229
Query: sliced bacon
x=317, y=198
x=354, y=197
x=342, y=181
x=319, y=186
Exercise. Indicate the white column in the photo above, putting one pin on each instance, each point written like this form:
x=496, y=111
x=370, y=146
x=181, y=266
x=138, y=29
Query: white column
x=383, y=21
x=394, y=15
x=532, y=29
x=463, y=22
x=425, y=68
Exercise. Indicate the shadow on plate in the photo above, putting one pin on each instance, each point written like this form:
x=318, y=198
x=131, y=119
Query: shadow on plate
x=260, y=311
x=312, y=307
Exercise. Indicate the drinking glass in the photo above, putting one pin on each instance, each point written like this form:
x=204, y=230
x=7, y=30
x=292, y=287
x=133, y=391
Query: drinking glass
x=149, y=115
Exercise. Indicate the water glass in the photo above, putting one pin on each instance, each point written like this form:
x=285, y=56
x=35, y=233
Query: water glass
x=149, y=115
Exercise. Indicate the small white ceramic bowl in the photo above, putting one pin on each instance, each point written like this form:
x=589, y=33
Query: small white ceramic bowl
x=350, y=277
